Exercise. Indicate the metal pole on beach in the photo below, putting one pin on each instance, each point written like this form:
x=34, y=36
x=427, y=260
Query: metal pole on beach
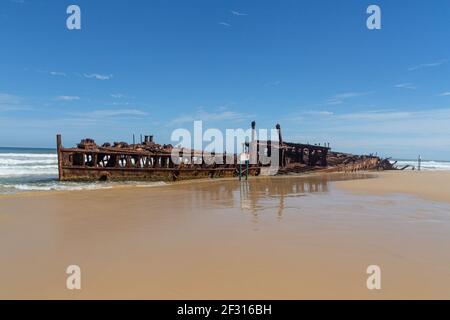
x=246, y=169
x=58, y=150
x=240, y=170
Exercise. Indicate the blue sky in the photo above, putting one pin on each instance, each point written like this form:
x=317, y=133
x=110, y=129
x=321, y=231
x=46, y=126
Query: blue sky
x=152, y=66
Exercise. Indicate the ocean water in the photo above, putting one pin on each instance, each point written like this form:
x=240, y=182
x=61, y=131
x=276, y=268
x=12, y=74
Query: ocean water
x=28, y=169
x=426, y=165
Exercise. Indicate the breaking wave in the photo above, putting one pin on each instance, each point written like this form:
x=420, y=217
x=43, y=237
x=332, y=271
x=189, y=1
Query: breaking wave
x=27, y=170
x=14, y=164
x=426, y=165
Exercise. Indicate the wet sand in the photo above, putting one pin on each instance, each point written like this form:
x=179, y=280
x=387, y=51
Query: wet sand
x=432, y=185
x=268, y=238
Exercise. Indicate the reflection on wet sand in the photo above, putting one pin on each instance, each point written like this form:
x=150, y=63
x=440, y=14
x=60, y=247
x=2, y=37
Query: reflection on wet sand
x=252, y=192
x=252, y=195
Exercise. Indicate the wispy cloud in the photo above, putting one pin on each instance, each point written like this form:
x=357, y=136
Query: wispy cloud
x=225, y=24
x=9, y=102
x=237, y=13
x=53, y=73
x=58, y=73
x=319, y=113
x=407, y=85
x=428, y=65
x=117, y=113
x=444, y=94
x=67, y=98
x=98, y=76
x=375, y=115
x=220, y=115
x=339, y=98
x=351, y=95
x=334, y=102
x=382, y=121
x=117, y=95
x=302, y=115
x=401, y=133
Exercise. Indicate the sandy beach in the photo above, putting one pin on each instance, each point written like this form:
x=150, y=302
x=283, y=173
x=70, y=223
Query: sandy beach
x=431, y=185
x=308, y=237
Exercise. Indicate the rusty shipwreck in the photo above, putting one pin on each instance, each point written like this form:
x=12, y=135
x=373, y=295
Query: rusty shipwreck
x=150, y=161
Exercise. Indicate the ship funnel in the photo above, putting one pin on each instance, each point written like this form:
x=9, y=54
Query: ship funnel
x=148, y=139
x=280, y=138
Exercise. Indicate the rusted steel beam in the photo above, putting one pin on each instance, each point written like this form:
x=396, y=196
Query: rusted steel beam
x=58, y=151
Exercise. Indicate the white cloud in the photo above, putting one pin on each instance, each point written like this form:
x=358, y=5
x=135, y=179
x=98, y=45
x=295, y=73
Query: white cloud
x=225, y=24
x=117, y=113
x=237, y=13
x=428, y=65
x=98, y=76
x=8, y=98
x=221, y=115
x=374, y=116
x=302, y=115
x=391, y=123
x=398, y=133
x=350, y=95
x=117, y=95
x=339, y=98
x=320, y=113
x=407, y=85
x=9, y=102
x=57, y=73
x=444, y=94
x=334, y=102
x=67, y=98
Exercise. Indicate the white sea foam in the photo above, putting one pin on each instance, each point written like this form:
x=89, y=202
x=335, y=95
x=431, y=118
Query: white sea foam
x=25, y=172
x=17, y=171
x=69, y=186
x=17, y=165
x=55, y=186
x=426, y=165
x=28, y=172
x=152, y=184
x=28, y=155
x=14, y=162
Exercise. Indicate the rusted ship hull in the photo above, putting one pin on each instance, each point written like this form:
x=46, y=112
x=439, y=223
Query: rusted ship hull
x=148, y=161
x=93, y=163
x=147, y=174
